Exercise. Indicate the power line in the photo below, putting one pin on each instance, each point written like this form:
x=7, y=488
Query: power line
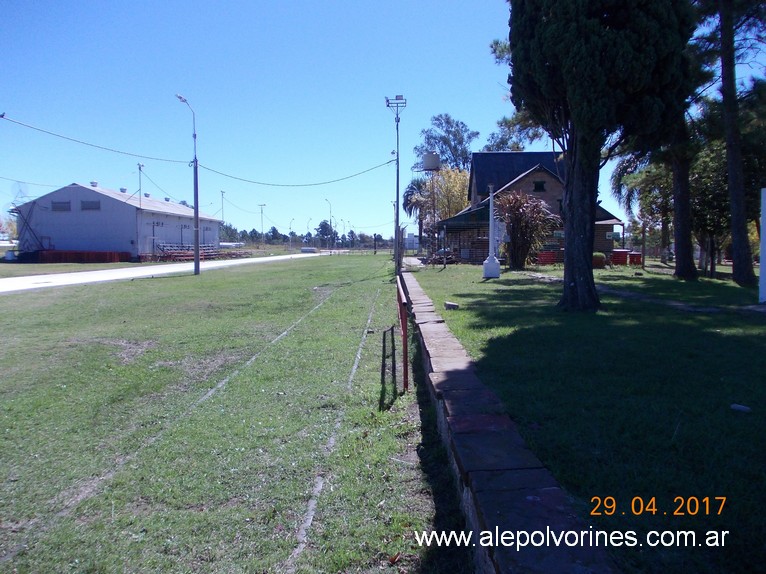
x=28, y=182
x=235, y=206
x=90, y=144
x=297, y=184
x=157, y=186
x=81, y=142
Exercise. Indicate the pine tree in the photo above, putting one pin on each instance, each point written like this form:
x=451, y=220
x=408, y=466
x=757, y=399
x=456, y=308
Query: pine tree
x=592, y=74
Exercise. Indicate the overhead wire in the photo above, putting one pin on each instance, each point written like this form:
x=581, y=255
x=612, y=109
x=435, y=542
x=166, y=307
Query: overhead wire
x=242, y=179
x=143, y=172
x=81, y=142
x=28, y=182
x=245, y=180
x=314, y=184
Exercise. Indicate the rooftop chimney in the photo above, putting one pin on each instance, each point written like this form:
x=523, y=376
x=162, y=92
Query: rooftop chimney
x=94, y=184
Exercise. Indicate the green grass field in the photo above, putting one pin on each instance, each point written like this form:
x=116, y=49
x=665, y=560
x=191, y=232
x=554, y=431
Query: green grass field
x=197, y=424
x=632, y=401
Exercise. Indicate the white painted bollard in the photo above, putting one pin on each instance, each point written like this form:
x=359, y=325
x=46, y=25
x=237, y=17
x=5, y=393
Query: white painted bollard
x=491, y=265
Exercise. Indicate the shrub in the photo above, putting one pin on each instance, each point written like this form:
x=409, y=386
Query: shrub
x=599, y=260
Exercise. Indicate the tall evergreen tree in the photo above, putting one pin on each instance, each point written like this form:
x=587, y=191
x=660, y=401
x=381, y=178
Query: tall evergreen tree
x=593, y=73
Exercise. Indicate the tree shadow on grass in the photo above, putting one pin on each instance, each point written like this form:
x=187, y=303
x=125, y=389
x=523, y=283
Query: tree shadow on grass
x=634, y=401
x=435, y=465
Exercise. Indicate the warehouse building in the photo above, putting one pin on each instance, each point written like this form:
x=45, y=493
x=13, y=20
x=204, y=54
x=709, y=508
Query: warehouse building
x=80, y=219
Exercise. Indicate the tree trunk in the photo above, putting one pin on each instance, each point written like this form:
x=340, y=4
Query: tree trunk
x=682, y=219
x=579, y=207
x=420, y=233
x=664, y=232
x=705, y=254
x=742, y=258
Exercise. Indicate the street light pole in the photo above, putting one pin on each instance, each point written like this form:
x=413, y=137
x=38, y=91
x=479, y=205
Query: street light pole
x=196, y=185
x=395, y=104
x=290, y=234
x=331, y=231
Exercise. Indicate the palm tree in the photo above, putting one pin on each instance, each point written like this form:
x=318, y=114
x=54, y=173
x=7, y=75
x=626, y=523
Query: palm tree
x=643, y=180
x=415, y=202
x=529, y=222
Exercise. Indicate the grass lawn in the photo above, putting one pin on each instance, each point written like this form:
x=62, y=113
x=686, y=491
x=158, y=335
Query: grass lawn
x=245, y=420
x=632, y=401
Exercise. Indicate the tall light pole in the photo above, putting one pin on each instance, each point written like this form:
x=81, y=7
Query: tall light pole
x=396, y=104
x=331, y=232
x=196, y=185
x=290, y=234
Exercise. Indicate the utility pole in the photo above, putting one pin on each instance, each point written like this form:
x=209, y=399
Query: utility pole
x=263, y=235
x=223, y=219
x=396, y=104
x=140, y=191
x=139, y=216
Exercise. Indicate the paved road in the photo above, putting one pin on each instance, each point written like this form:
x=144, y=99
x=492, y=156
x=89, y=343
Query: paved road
x=14, y=284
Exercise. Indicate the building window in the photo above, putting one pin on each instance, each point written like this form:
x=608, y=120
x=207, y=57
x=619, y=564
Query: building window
x=539, y=186
x=61, y=206
x=90, y=205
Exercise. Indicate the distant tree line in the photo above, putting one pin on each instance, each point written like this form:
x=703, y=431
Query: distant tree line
x=324, y=237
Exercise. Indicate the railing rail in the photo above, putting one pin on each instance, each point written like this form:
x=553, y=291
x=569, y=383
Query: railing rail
x=401, y=298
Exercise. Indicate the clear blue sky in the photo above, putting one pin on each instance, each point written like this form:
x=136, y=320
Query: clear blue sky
x=283, y=92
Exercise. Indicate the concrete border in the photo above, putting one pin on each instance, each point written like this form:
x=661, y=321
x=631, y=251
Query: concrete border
x=503, y=486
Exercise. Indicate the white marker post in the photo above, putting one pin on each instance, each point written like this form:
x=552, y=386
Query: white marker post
x=762, y=283
x=491, y=264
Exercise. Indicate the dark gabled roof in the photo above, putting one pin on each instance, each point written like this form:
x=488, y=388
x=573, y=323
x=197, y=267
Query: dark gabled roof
x=475, y=216
x=468, y=218
x=604, y=217
x=509, y=186
x=501, y=167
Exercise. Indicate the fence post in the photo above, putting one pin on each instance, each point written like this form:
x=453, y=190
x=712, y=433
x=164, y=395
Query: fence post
x=401, y=299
